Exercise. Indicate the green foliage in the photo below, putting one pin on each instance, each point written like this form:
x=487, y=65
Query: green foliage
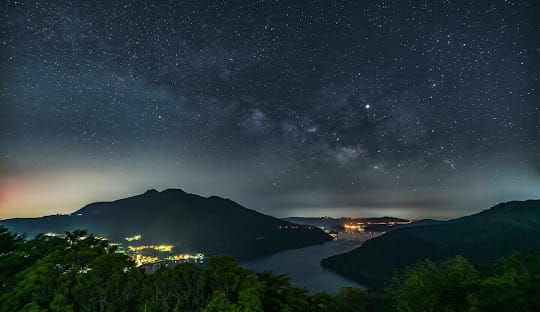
x=78, y=272
x=10, y=259
x=75, y=273
x=512, y=284
x=249, y=297
x=81, y=273
x=432, y=287
x=8, y=242
x=219, y=303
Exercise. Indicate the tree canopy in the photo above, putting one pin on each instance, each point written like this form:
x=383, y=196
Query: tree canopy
x=79, y=272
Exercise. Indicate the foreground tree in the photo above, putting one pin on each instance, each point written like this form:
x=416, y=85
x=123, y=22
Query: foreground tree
x=511, y=284
x=429, y=286
x=78, y=272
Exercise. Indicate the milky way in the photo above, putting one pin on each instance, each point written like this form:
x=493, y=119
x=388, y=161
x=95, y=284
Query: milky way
x=411, y=108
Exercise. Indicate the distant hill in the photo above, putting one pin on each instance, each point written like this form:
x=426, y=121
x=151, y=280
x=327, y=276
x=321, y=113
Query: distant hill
x=325, y=222
x=190, y=222
x=382, y=224
x=482, y=237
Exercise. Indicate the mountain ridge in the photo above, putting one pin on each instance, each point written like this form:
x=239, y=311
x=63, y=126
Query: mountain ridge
x=191, y=222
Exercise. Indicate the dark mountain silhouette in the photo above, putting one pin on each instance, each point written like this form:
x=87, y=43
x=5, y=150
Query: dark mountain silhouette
x=189, y=222
x=482, y=237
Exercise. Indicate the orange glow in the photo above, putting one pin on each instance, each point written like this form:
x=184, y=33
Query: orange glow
x=163, y=248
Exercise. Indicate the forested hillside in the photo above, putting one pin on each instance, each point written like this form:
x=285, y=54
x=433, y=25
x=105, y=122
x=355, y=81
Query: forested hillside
x=481, y=238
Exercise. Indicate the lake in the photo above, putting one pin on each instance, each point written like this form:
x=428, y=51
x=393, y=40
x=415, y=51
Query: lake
x=303, y=266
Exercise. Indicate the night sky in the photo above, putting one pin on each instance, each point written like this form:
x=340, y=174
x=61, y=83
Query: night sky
x=357, y=108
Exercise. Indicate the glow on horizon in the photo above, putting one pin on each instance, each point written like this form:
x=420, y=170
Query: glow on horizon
x=56, y=188
x=58, y=192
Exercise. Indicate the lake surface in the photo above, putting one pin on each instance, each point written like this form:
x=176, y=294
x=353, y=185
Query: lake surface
x=303, y=266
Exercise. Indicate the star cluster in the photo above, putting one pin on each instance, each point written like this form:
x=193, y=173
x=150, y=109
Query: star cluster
x=289, y=107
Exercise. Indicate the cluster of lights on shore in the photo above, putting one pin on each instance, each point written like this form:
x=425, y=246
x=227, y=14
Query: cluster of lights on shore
x=146, y=254
x=137, y=253
x=361, y=226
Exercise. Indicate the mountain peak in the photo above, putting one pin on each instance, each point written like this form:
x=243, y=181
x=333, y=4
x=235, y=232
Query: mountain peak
x=191, y=222
x=169, y=190
x=174, y=190
x=151, y=191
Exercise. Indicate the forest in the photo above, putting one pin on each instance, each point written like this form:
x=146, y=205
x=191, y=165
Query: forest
x=79, y=272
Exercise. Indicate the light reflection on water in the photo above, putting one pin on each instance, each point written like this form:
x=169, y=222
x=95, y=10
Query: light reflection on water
x=303, y=267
